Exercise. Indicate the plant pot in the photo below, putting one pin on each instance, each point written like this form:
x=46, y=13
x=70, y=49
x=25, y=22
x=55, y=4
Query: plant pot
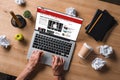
x=27, y=14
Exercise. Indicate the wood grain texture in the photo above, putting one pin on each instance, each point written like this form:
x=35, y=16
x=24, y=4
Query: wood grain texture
x=13, y=60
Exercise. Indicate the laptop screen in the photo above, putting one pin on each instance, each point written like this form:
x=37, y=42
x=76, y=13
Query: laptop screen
x=58, y=24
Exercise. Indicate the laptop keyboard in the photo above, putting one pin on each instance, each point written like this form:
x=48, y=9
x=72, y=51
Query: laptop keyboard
x=52, y=45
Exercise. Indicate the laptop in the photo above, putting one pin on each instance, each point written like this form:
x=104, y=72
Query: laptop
x=55, y=33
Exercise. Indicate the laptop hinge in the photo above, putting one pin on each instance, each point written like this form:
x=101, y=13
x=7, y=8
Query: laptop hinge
x=42, y=32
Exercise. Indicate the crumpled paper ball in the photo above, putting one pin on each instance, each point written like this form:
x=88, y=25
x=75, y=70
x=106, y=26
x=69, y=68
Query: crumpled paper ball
x=106, y=50
x=20, y=2
x=3, y=41
x=98, y=63
x=71, y=11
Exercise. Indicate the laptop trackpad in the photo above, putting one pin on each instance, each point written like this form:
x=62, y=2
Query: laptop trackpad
x=46, y=59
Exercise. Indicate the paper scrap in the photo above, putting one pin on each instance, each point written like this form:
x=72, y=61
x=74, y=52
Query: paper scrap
x=3, y=41
x=20, y=2
x=98, y=63
x=106, y=50
x=71, y=11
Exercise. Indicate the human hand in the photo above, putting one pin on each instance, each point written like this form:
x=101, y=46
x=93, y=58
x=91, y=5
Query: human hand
x=57, y=66
x=35, y=57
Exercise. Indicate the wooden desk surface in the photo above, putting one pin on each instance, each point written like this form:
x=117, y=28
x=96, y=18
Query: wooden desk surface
x=13, y=61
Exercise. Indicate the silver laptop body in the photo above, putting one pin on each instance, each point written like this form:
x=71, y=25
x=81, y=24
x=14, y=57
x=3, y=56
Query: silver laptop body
x=52, y=33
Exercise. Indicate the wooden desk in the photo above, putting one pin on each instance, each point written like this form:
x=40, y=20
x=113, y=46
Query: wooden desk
x=13, y=61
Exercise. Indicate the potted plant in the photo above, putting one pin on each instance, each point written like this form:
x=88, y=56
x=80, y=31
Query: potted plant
x=27, y=14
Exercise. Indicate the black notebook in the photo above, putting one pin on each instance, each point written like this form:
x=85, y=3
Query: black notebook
x=101, y=23
x=112, y=1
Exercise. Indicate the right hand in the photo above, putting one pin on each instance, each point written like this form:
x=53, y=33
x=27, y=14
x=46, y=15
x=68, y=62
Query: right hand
x=57, y=66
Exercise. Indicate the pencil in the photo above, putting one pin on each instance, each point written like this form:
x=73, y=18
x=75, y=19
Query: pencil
x=15, y=18
x=95, y=22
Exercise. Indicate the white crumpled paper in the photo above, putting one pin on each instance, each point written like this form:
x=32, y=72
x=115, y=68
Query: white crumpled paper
x=71, y=11
x=98, y=63
x=20, y=2
x=106, y=50
x=3, y=41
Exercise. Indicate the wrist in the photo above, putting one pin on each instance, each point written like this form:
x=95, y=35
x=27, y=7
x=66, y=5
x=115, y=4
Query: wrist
x=58, y=77
x=56, y=73
x=29, y=68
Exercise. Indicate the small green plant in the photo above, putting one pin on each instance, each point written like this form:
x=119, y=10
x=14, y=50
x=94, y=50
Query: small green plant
x=27, y=14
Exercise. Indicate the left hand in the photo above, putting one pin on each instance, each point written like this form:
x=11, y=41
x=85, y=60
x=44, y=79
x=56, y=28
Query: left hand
x=34, y=59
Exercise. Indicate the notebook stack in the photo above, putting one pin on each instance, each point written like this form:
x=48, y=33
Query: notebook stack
x=101, y=23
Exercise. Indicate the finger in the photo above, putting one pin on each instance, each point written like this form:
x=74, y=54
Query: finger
x=56, y=60
x=34, y=52
x=40, y=53
x=53, y=59
x=60, y=60
x=63, y=60
x=37, y=54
